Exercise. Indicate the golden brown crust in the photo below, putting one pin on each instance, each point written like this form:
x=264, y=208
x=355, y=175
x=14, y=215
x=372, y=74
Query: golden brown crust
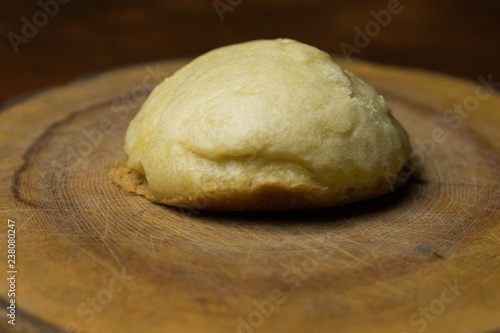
x=129, y=179
x=264, y=197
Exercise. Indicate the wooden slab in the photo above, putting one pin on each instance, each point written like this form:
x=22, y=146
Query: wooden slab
x=93, y=258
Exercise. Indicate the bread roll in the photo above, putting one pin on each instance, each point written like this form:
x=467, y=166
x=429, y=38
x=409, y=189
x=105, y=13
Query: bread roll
x=266, y=125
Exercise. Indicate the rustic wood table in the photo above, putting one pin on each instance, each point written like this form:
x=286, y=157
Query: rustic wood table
x=460, y=38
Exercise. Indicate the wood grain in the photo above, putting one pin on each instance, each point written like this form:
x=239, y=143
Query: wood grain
x=94, y=258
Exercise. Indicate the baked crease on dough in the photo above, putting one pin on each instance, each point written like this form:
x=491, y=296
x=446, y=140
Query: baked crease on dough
x=266, y=125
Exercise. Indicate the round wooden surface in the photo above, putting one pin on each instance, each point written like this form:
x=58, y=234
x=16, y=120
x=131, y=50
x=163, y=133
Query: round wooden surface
x=94, y=258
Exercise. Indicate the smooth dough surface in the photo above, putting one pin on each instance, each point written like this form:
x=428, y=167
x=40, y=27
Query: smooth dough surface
x=261, y=126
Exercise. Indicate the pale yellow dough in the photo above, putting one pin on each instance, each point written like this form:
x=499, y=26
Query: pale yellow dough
x=265, y=125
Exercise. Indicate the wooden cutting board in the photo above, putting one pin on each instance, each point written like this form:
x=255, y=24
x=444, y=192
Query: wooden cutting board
x=93, y=258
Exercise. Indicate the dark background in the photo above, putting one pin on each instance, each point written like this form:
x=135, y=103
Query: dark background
x=461, y=38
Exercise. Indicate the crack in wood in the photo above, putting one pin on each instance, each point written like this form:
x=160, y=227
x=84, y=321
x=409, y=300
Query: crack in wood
x=37, y=145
